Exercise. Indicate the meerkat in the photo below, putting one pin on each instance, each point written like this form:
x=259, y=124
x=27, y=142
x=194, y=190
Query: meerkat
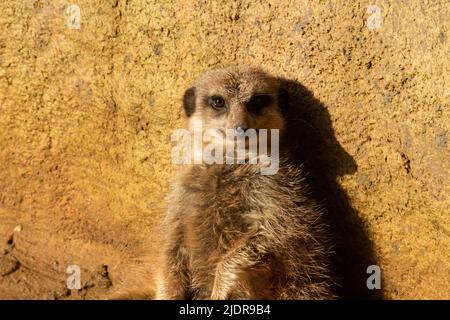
x=231, y=232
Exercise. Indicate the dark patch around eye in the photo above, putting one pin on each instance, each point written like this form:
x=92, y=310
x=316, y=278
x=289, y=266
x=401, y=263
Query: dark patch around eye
x=189, y=101
x=216, y=102
x=257, y=104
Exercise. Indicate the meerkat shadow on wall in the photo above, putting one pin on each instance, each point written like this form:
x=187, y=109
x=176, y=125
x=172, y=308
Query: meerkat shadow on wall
x=311, y=142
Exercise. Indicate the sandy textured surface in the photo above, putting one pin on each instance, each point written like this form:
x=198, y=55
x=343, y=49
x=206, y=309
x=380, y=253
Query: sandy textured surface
x=86, y=116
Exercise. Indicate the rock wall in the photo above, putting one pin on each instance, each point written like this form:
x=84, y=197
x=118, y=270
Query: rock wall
x=87, y=107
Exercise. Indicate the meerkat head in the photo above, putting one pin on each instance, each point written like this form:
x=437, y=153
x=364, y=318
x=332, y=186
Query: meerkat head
x=237, y=98
x=238, y=107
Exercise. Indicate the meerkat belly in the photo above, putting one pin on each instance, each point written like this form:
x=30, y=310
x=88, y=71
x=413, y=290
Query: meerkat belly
x=215, y=222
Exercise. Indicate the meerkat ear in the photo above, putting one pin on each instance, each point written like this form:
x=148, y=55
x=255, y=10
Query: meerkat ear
x=189, y=101
x=283, y=99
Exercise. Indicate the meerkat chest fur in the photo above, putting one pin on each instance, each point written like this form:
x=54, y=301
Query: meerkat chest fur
x=266, y=227
x=220, y=207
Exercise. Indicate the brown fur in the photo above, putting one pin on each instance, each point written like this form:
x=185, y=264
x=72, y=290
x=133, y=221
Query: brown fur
x=230, y=232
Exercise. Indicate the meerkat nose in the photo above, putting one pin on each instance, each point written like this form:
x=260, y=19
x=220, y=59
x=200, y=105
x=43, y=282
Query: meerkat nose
x=241, y=128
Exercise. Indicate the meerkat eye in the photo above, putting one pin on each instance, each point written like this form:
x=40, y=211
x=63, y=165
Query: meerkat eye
x=258, y=102
x=216, y=102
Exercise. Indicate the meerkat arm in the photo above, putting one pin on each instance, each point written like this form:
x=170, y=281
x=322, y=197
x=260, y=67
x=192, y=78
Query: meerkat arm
x=172, y=281
x=232, y=266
